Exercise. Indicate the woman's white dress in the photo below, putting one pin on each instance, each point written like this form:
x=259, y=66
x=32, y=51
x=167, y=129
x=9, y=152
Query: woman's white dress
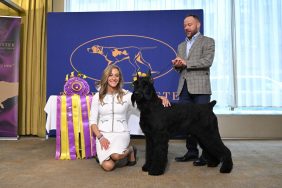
x=111, y=117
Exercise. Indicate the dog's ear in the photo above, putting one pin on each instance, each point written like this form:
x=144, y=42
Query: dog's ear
x=100, y=48
x=152, y=81
x=149, y=73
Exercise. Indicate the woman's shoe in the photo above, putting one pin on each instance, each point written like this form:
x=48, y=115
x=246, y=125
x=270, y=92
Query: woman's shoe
x=97, y=160
x=132, y=163
x=122, y=162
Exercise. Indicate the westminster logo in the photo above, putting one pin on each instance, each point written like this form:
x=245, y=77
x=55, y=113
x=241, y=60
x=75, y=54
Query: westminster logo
x=132, y=53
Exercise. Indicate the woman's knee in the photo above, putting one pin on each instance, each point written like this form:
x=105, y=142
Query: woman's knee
x=115, y=156
x=108, y=165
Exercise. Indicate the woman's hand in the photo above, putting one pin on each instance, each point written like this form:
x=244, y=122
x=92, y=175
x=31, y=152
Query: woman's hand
x=104, y=143
x=165, y=101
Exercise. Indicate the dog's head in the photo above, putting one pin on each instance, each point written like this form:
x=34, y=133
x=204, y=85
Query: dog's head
x=143, y=89
x=96, y=49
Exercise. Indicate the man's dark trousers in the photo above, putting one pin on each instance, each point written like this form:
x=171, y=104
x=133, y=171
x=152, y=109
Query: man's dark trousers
x=186, y=97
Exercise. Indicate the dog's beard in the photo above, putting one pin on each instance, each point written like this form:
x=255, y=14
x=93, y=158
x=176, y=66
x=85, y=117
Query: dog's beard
x=133, y=99
x=137, y=97
x=148, y=96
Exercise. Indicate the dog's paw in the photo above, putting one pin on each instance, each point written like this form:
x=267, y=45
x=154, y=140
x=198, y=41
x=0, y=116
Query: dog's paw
x=226, y=166
x=145, y=167
x=1, y=105
x=213, y=164
x=226, y=169
x=156, y=172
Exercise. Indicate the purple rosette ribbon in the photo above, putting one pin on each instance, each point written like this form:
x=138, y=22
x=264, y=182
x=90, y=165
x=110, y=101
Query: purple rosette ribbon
x=76, y=85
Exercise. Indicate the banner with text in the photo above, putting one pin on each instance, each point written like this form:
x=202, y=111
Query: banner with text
x=9, y=75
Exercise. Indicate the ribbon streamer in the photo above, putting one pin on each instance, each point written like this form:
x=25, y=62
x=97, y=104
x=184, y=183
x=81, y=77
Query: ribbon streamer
x=70, y=124
x=58, y=128
x=65, y=153
x=86, y=128
x=74, y=139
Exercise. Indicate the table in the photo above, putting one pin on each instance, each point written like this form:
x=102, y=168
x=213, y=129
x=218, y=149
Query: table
x=69, y=116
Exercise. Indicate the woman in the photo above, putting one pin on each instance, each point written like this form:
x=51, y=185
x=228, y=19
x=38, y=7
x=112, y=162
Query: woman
x=108, y=119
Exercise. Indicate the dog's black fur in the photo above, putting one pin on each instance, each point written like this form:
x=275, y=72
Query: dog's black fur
x=158, y=123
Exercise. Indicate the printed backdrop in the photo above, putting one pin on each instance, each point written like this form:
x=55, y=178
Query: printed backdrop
x=134, y=40
x=139, y=40
x=9, y=77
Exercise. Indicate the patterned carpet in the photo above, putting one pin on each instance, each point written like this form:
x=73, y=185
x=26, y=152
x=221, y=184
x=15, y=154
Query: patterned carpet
x=29, y=162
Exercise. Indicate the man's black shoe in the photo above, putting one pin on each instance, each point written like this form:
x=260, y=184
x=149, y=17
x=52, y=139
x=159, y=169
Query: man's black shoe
x=200, y=162
x=186, y=157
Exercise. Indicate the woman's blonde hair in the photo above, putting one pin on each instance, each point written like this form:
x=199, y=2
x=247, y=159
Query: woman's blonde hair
x=103, y=84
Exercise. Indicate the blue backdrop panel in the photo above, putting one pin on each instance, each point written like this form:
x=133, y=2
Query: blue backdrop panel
x=134, y=40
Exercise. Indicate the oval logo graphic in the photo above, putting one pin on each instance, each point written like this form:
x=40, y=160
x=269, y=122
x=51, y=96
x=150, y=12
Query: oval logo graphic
x=131, y=53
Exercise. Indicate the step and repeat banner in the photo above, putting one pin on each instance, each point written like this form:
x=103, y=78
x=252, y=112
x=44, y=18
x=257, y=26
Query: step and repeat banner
x=9, y=79
x=86, y=42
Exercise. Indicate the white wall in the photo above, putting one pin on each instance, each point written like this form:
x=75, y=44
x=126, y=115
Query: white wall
x=250, y=126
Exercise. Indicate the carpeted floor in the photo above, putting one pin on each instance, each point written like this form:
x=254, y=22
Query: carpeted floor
x=29, y=162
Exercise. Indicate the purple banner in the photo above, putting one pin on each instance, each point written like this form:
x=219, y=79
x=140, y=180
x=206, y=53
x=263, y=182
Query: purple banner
x=9, y=75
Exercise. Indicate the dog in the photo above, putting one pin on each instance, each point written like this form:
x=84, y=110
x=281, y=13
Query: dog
x=8, y=90
x=113, y=55
x=158, y=123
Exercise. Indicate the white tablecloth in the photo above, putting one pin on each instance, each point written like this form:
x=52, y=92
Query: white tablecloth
x=51, y=110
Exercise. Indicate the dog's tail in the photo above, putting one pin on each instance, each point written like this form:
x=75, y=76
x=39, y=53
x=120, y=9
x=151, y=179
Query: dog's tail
x=212, y=104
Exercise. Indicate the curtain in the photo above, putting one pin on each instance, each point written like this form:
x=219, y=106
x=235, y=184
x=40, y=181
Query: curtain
x=6, y=11
x=32, y=78
x=247, y=69
x=259, y=53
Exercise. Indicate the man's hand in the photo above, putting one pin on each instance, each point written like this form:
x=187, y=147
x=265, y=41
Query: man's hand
x=178, y=62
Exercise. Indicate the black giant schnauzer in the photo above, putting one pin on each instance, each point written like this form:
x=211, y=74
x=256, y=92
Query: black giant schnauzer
x=158, y=122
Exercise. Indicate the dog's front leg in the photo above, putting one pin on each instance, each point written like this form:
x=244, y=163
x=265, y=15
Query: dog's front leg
x=159, y=154
x=149, y=150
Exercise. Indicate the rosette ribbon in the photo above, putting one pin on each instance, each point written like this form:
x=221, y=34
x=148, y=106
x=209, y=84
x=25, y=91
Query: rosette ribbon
x=73, y=135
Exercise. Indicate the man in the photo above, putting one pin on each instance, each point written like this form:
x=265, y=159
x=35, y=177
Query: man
x=194, y=58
